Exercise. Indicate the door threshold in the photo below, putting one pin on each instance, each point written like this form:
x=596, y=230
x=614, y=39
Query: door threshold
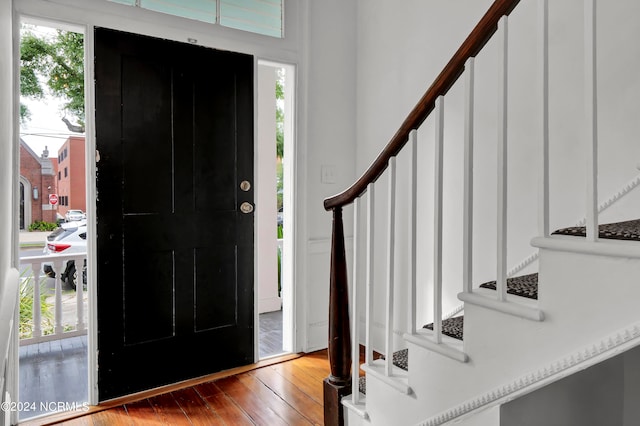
x=55, y=418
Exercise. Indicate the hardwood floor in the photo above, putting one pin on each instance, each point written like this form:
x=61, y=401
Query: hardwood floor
x=288, y=393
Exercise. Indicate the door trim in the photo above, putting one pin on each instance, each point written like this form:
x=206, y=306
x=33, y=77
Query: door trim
x=289, y=305
x=271, y=52
x=92, y=258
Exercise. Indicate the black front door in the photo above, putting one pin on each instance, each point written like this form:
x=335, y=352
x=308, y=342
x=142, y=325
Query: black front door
x=174, y=134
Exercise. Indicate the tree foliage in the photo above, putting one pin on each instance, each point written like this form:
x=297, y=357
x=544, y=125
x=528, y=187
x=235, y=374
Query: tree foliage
x=54, y=64
x=280, y=76
x=279, y=113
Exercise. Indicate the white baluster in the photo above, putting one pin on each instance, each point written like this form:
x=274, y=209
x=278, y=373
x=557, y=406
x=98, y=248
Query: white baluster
x=413, y=227
x=591, y=117
x=543, y=49
x=467, y=209
x=80, y=325
x=37, y=308
x=501, y=279
x=437, y=231
x=390, y=266
x=355, y=331
x=369, y=272
x=58, y=267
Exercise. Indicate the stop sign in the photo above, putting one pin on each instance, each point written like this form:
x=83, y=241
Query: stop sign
x=53, y=199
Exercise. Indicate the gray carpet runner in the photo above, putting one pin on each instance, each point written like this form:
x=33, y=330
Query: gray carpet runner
x=452, y=327
x=524, y=285
x=627, y=230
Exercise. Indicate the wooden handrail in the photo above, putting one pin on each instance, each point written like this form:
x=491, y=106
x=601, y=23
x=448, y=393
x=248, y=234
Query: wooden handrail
x=337, y=385
x=476, y=40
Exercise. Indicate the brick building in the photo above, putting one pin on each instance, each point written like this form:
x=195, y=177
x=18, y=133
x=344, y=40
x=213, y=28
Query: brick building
x=71, y=175
x=37, y=181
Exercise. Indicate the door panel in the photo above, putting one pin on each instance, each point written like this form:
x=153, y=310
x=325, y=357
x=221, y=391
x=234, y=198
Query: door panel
x=174, y=128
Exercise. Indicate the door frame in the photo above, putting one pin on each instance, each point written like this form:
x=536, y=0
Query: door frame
x=57, y=14
x=289, y=172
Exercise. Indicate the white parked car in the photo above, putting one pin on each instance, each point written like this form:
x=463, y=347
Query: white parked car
x=74, y=216
x=69, y=238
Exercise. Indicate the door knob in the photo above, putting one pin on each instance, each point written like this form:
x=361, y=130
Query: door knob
x=245, y=185
x=246, y=207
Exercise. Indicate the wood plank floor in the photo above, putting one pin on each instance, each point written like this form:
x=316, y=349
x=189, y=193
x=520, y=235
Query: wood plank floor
x=288, y=393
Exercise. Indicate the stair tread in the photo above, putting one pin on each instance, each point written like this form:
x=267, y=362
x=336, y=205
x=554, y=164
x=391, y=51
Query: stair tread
x=523, y=285
x=400, y=360
x=626, y=230
x=452, y=327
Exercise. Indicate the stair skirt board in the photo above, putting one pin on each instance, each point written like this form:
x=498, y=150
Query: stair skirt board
x=627, y=230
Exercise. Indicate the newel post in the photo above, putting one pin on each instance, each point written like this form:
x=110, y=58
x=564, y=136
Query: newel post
x=338, y=384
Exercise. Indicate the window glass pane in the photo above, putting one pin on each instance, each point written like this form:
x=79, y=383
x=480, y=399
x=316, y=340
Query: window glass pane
x=201, y=10
x=257, y=16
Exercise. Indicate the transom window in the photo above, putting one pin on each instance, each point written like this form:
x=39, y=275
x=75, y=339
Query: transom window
x=256, y=16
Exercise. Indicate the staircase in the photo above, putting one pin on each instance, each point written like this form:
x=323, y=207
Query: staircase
x=523, y=348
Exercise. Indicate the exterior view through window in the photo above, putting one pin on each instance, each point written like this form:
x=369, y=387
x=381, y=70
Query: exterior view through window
x=53, y=232
x=273, y=288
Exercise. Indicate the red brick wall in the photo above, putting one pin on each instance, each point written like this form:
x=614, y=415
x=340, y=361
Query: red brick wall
x=31, y=170
x=73, y=185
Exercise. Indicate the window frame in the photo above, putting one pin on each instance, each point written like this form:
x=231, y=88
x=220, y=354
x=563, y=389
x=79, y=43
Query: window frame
x=218, y=19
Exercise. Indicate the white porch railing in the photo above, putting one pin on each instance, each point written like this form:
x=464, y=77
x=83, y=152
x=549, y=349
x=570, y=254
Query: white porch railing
x=280, y=264
x=32, y=267
x=7, y=329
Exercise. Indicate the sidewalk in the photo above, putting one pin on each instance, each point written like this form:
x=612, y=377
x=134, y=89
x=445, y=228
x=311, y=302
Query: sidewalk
x=33, y=239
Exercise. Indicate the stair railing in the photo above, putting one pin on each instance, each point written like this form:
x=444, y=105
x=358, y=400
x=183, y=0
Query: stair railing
x=341, y=358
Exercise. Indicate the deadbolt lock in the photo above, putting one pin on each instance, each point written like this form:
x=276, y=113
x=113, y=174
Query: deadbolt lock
x=246, y=207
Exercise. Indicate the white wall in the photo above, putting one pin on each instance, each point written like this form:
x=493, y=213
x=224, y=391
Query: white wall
x=606, y=393
x=402, y=47
x=7, y=149
x=591, y=397
x=330, y=141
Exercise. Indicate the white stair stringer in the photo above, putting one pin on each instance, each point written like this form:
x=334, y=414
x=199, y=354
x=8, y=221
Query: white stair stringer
x=590, y=310
x=601, y=350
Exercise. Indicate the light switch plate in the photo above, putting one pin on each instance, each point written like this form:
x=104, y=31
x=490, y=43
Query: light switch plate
x=328, y=174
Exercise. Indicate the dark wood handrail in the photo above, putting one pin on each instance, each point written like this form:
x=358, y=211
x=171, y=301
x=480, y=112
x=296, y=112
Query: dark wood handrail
x=338, y=384
x=482, y=32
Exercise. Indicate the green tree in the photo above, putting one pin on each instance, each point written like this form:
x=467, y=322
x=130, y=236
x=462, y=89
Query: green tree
x=280, y=75
x=279, y=113
x=54, y=61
